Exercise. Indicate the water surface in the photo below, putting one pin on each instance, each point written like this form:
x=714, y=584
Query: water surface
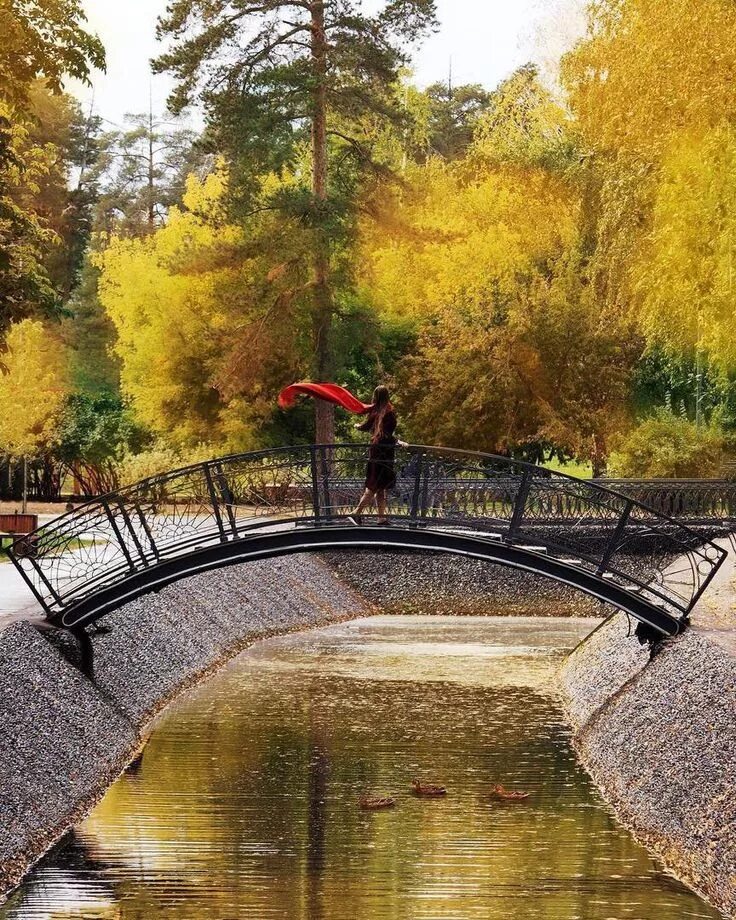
x=245, y=804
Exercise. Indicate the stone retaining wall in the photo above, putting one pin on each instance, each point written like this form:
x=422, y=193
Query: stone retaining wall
x=659, y=739
x=437, y=583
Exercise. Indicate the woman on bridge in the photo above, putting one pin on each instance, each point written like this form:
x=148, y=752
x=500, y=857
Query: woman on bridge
x=381, y=423
x=380, y=472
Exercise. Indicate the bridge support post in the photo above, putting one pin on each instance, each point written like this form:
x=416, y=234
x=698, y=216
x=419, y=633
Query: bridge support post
x=226, y=496
x=618, y=533
x=131, y=530
x=86, y=651
x=315, y=484
x=324, y=467
x=147, y=531
x=416, y=496
x=118, y=534
x=519, y=505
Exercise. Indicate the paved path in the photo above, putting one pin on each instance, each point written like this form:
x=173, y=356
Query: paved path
x=16, y=601
x=715, y=615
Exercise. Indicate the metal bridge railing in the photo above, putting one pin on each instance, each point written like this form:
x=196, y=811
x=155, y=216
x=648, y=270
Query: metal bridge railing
x=691, y=501
x=612, y=535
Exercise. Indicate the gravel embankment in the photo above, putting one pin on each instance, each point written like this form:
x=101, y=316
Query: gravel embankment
x=61, y=742
x=64, y=739
x=436, y=583
x=659, y=738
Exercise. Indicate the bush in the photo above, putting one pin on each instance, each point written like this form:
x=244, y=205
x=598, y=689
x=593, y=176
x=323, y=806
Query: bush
x=670, y=447
x=92, y=434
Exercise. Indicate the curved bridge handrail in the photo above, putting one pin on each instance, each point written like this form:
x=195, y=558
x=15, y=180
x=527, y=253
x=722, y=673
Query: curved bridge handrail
x=691, y=501
x=107, y=540
x=449, y=452
x=594, y=484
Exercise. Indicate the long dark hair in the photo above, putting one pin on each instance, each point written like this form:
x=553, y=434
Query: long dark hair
x=381, y=405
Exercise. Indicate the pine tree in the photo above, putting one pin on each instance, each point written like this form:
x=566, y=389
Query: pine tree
x=141, y=172
x=453, y=114
x=276, y=74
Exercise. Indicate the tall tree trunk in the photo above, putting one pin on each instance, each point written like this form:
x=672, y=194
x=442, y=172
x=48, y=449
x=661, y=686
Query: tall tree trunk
x=322, y=307
x=599, y=456
x=151, y=186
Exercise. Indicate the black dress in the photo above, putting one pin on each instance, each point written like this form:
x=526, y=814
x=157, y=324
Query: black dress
x=380, y=473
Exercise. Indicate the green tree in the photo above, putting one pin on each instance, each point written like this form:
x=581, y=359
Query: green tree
x=453, y=114
x=41, y=39
x=666, y=445
x=89, y=333
x=279, y=76
x=522, y=123
x=44, y=38
x=92, y=434
x=25, y=287
x=60, y=132
x=141, y=172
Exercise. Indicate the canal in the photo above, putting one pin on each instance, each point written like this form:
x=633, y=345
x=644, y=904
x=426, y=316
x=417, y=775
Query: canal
x=245, y=803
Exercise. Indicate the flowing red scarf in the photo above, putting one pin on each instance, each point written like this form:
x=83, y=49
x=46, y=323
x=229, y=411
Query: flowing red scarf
x=330, y=392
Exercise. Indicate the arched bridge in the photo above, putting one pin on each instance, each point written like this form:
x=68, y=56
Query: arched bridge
x=275, y=502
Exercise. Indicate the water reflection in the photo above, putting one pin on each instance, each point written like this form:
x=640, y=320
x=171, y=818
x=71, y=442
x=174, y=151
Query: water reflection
x=245, y=803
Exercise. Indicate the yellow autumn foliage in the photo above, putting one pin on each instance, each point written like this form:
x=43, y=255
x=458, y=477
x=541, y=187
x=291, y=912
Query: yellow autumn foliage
x=32, y=389
x=456, y=242
x=685, y=277
x=167, y=295
x=651, y=70
x=653, y=98
x=527, y=275
x=511, y=346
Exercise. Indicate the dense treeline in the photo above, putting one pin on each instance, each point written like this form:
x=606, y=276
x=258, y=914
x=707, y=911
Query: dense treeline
x=541, y=270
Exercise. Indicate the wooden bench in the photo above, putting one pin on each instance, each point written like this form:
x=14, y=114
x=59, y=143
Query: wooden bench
x=15, y=525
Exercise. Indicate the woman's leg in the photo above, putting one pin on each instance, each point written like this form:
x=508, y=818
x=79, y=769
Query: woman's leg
x=366, y=501
x=381, y=502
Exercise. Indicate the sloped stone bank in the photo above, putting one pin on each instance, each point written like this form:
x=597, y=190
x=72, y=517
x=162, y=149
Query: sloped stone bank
x=437, y=583
x=60, y=742
x=659, y=738
x=64, y=738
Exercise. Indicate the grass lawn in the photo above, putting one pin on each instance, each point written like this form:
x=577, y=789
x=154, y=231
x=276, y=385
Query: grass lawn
x=573, y=468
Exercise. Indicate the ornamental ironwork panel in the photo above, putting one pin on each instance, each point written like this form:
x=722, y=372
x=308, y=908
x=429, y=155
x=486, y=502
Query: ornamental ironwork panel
x=688, y=500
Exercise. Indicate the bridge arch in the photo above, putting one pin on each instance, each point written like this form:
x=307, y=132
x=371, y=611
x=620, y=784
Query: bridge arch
x=263, y=504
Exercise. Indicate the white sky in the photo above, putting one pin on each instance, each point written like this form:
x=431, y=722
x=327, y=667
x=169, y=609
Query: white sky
x=486, y=40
